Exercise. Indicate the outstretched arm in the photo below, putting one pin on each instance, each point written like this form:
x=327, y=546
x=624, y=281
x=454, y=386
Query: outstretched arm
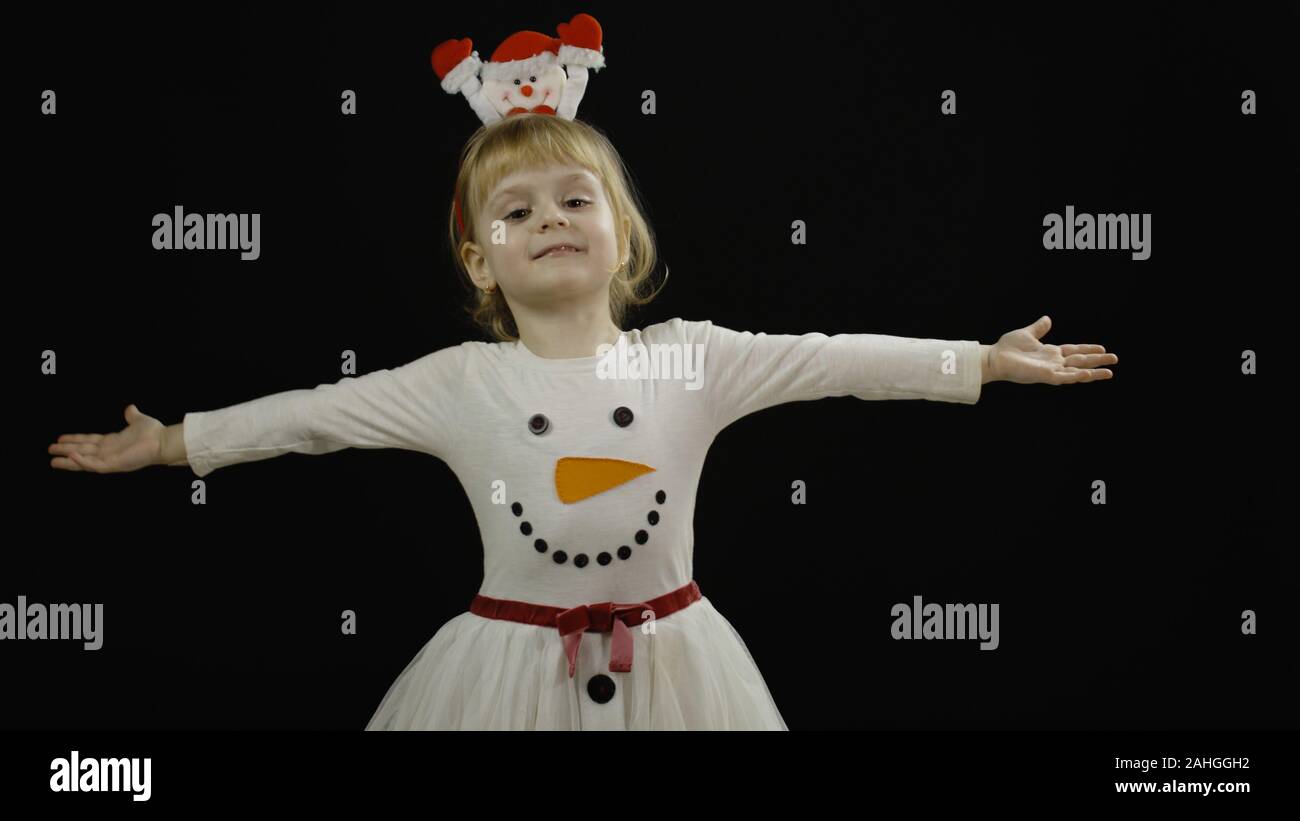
x=744, y=372
x=411, y=407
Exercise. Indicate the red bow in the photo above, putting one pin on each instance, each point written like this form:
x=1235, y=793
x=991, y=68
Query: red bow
x=600, y=618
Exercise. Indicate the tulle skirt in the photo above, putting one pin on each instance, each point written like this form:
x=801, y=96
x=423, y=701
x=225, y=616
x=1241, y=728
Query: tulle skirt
x=693, y=672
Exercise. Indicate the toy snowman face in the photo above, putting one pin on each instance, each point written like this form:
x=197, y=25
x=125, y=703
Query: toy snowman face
x=528, y=89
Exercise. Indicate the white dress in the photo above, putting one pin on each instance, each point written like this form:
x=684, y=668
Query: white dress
x=582, y=478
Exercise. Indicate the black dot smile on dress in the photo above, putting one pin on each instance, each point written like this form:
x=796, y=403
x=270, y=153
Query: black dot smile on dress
x=578, y=478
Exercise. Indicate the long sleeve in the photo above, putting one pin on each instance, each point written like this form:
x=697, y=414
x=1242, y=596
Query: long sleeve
x=412, y=407
x=745, y=372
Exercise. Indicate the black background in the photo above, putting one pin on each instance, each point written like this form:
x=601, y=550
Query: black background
x=1118, y=616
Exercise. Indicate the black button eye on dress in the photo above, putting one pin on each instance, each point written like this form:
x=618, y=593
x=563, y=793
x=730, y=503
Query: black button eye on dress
x=622, y=416
x=601, y=688
x=539, y=424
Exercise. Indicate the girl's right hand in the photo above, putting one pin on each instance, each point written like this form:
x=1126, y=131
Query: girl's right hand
x=137, y=445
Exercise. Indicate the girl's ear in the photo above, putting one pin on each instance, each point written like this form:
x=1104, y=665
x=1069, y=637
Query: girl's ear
x=476, y=264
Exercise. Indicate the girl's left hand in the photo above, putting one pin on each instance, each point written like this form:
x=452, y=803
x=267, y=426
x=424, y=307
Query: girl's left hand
x=1019, y=356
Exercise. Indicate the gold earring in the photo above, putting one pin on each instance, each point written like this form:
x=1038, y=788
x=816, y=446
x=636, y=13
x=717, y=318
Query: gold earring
x=490, y=290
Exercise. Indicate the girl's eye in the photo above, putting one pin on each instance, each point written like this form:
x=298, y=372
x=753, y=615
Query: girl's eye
x=574, y=199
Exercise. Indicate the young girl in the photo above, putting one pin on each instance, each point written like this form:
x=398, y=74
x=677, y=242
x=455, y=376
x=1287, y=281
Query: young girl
x=582, y=474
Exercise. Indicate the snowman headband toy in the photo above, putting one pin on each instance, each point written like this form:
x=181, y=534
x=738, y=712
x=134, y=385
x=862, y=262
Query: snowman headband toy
x=525, y=75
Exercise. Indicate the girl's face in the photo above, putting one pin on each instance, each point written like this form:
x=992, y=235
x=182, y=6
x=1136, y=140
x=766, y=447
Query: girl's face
x=538, y=209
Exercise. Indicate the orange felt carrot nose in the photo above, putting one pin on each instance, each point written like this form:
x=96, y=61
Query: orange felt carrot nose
x=578, y=477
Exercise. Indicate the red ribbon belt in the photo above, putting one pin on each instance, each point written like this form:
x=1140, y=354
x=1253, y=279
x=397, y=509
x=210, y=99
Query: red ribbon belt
x=601, y=617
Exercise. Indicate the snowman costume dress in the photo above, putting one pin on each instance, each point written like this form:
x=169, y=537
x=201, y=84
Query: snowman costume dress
x=584, y=488
x=582, y=474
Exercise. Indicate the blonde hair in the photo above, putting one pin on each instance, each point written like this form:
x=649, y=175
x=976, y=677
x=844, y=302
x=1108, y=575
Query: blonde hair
x=528, y=141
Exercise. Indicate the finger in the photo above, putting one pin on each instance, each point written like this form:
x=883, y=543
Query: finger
x=1073, y=349
x=1095, y=360
x=73, y=448
x=64, y=463
x=1040, y=328
x=1091, y=360
x=92, y=464
x=1084, y=375
x=1067, y=376
x=81, y=437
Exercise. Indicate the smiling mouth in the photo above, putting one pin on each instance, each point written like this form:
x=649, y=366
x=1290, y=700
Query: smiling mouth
x=560, y=252
x=543, y=102
x=578, y=478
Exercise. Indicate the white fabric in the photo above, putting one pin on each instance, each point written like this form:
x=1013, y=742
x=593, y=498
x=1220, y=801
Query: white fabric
x=470, y=406
x=464, y=71
x=585, y=57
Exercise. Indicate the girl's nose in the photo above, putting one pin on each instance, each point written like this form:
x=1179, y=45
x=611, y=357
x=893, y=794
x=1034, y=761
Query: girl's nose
x=527, y=91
